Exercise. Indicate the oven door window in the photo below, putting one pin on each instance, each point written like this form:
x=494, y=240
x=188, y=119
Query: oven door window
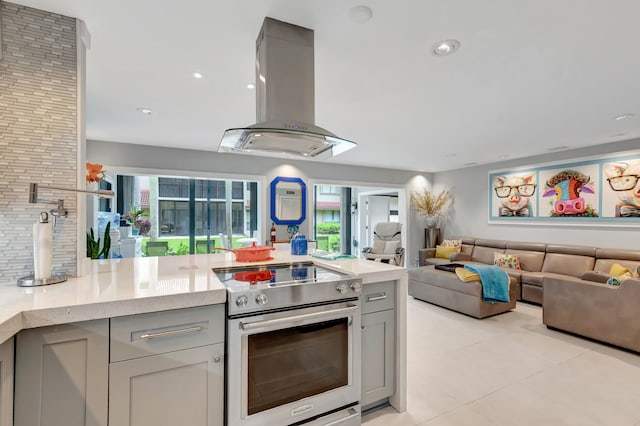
x=290, y=364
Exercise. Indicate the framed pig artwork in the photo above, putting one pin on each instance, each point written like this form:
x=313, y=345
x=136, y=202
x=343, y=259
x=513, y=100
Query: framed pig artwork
x=513, y=195
x=594, y=191
x=621, y=189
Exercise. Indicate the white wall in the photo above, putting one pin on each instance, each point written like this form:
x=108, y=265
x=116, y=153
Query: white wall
x=132, y=156
x=469, y=213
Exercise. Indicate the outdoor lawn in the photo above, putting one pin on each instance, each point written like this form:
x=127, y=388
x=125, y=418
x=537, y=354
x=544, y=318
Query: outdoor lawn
x=180, y=245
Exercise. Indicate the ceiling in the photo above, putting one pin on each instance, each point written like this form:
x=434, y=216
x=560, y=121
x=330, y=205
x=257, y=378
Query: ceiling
x=529, y=78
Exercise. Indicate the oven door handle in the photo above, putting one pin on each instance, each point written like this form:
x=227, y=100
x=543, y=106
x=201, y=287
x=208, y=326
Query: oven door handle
x=279, y=321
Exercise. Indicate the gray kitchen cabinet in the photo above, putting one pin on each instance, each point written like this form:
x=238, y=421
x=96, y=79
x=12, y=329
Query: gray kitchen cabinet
x=167, y=368
x=6, y=383
x=378, y=343
x=61, y=375
x=176, y=388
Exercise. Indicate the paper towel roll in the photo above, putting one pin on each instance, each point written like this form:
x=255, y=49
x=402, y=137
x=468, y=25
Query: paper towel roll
x=42, y=239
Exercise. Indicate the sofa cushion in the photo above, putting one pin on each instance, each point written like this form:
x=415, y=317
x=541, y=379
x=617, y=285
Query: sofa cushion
x=595, y=276
x=484, y=254
x=529, y=260
x=571, y=249
x=536, y=278
x=499, y=244
x=567, y=264
x=606, y=253
x=605, y=258
x=443, y=279
x=524, y=246
x=466, y=249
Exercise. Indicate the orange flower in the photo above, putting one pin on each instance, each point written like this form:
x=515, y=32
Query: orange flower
x=95, y=173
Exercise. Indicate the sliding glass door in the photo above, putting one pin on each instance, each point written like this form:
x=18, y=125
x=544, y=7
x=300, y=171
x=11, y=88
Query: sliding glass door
x=332, y=218
x=178, y=215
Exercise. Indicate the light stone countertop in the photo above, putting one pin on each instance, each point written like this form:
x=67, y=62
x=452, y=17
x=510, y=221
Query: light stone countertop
x=139, y=285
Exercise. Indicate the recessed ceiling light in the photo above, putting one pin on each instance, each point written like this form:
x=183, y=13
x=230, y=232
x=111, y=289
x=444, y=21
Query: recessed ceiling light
x=197, y=75
x=145, y=111
x=623, y=117
x=360, y=14
x=445, y=47
x=251, y=86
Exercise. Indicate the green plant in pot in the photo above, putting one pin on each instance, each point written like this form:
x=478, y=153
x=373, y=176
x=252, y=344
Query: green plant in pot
x=93, y=246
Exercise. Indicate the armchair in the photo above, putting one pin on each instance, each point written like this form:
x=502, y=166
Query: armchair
x=386, y=244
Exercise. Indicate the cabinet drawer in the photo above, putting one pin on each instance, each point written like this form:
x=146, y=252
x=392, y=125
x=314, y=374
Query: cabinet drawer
x=135, y=336
x=378, y=297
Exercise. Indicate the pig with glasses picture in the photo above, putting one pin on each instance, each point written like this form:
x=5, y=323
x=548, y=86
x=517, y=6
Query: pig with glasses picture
x=515, y=193
x=624, y=179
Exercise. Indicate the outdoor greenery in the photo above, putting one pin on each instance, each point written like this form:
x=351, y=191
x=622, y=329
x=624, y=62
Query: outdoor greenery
x=328, y=228
x=180, y=245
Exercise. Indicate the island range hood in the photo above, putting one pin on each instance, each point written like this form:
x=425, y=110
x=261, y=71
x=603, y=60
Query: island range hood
x=285, y=103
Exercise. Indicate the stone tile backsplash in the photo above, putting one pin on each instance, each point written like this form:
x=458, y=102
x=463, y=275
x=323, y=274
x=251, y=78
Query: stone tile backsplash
x=38, y=133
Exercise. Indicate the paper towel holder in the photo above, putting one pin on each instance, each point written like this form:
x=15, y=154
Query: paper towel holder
x=59, y=211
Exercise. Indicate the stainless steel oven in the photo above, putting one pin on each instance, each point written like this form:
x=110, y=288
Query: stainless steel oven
x=294, y=361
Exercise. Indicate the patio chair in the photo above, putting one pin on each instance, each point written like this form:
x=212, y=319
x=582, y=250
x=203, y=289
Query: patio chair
x=201, y=246
x=157, y=248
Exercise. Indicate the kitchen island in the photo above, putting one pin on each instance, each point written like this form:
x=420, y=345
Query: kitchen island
x=131, y=287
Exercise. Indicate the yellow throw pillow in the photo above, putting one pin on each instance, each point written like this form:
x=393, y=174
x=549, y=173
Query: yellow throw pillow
x=466, y=275
x=444, y=252
x=617, y=270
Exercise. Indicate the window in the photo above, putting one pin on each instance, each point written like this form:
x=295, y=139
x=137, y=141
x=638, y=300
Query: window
x=331, y=230
x=181, y=210
x=329, y=189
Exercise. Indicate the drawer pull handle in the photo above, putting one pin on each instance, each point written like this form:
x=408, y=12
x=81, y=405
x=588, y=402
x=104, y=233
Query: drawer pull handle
x=376, y=297
x=171, y=332
x=292, y=321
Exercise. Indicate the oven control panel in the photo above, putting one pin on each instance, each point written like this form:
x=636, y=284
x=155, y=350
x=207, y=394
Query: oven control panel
x=251, y=300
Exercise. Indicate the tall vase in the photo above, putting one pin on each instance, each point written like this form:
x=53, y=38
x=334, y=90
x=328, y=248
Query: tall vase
x=431, y=237
x=432, y=232
x=431, y=220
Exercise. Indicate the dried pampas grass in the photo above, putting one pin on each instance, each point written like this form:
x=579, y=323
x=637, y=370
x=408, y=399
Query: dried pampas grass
x=427, y=203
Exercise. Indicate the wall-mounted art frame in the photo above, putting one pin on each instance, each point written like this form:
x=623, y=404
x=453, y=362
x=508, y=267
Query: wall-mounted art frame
x=602, y=190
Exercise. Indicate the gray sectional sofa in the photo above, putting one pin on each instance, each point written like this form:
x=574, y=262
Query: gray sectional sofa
x=539, y=261
x=445, y=289
x=568, y=280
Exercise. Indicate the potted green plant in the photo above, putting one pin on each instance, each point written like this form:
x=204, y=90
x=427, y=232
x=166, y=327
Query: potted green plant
x=93, y=246
x=134, y=218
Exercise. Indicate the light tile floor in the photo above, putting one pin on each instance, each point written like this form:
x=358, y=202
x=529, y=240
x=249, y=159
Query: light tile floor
x=510, y=370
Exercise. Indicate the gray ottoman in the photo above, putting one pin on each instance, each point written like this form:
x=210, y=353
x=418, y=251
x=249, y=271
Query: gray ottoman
x=445, y=289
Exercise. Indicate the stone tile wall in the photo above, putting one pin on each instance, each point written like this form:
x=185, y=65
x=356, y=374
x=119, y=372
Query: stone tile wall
x=38, y=133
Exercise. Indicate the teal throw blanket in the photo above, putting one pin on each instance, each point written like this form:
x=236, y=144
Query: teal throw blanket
x=495, y=283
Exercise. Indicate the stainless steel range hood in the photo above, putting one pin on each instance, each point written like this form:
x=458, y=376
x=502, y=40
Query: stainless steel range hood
x=285, y=104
